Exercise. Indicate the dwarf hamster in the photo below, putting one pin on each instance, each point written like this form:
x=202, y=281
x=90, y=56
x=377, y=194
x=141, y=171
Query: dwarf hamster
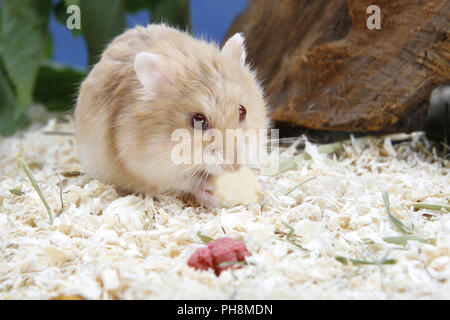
x=149, y=82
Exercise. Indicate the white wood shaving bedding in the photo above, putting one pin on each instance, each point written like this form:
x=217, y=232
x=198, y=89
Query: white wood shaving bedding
x=103, y=246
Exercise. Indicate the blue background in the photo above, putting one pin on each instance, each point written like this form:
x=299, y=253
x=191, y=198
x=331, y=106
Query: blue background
x=210, y=18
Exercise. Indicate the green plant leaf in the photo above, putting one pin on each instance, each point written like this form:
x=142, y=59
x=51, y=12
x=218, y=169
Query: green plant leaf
x=173, y=12
x=24, y=38
x=137, y=5
x=59, y=9
x=101, y=21
x=49, y=47
x=72, y=2
x=57, y=85
x=0, y=32
x=8, y=125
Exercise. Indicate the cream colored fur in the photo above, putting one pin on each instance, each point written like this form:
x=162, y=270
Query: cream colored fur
x=123, y=128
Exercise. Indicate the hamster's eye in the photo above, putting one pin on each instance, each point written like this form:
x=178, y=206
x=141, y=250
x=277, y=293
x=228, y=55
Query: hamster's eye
x=242, y=112
x=199, y=120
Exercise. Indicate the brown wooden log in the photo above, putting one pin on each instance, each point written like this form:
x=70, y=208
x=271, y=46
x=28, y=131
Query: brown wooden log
x=324, y=69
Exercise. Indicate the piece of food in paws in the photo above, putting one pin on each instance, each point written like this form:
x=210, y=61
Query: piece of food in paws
x=238, y=188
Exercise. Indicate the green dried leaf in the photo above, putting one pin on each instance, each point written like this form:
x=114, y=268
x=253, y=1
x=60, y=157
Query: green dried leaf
x=232, y=263
x=289, y=235
x=71, y=174
x=346, y=261
x=382, y=261
x=367, y=241
x=401, y=240
x=17, y=192
x=291, y=230
x=396, y=221
x=342, y=260
x=205, y=239
x=299, y=185
x=389, y=261
x=21, y=162
x=430, y=206
x=285, y=166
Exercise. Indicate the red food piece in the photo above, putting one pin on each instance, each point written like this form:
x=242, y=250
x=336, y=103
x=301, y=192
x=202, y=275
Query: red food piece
x=227, y=250
x=219, y=251
x=201, y=259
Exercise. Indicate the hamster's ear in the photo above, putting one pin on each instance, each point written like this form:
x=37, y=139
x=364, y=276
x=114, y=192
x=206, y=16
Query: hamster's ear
x=235, y=48
x=149, y=70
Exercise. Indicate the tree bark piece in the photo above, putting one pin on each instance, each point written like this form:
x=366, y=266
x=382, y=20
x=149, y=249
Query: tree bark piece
x=324, y=69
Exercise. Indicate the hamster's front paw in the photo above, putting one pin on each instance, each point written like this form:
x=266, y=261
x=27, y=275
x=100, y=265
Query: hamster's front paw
x=207, y=200
x=205, y=195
